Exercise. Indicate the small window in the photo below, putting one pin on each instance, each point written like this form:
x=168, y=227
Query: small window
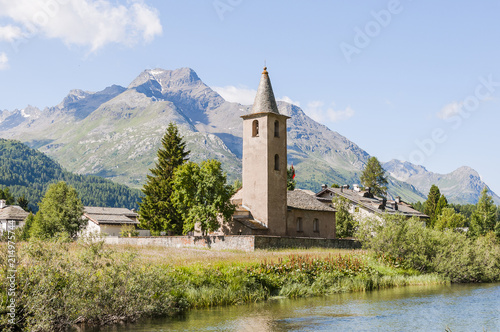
x=255, y=128
x=276, y=128
x=316, y=225
x=276, y=162
x=299, y=224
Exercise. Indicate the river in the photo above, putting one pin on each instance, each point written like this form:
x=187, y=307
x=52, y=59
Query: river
x=470, y=307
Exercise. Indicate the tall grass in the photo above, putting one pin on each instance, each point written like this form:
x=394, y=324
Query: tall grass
x=62, y=283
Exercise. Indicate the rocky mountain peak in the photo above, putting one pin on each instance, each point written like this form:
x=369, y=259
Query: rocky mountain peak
x=73, y=96
x=466, y=170
x=402, y=170
x=163, y=79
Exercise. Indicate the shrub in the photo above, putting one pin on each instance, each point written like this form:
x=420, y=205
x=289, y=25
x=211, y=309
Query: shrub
x=449, y=253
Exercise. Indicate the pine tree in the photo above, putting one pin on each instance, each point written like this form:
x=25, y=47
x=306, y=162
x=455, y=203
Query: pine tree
x=373, y=176
x=156, y=211
x=441, y=204
x=431, y=204
x=23, y=203
x=484, y=218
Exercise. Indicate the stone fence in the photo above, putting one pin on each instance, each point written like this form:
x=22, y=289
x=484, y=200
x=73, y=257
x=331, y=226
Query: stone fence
x=235, y=242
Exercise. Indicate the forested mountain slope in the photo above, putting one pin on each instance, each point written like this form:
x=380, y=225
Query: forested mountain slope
x=28, y=172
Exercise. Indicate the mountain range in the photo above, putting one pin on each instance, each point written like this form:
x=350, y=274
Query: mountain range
x=115, y=133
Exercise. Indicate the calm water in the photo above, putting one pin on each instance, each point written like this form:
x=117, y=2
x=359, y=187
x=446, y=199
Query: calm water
x=429, y=308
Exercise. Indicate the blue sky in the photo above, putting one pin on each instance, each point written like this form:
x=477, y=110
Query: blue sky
x=413, y=80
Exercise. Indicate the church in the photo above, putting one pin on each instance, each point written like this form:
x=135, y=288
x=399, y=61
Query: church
x=264, y=206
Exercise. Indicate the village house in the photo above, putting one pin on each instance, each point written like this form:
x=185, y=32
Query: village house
x=363, y=204
x=264, y=206
x=11, y=215
x=109, y=221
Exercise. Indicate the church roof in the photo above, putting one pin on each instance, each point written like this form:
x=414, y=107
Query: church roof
x=264, y=100
x=301, y=200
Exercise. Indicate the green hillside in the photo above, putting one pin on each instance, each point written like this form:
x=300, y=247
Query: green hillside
x=28, y=172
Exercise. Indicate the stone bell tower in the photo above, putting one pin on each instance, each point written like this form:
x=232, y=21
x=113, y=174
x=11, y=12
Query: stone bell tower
x=265, y=160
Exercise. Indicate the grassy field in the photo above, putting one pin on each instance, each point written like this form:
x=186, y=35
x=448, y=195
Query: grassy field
x=63, y=283
x=189, y=256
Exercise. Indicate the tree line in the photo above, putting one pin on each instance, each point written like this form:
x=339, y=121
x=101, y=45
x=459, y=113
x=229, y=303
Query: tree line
x=27, y=173
x=480, y=218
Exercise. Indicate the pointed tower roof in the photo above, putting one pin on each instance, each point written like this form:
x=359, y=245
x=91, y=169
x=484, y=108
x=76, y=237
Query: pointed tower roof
x=264, y=100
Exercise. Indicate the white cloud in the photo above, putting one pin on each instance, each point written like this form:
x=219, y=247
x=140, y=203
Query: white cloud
x=88, y=23
x=450, y=110
x=318, y=112
x=4, y=61
x=10, y=33
x=289, y=100
x=242, y=95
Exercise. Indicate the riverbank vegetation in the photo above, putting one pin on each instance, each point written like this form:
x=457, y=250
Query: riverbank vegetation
x=61, y=283
x=450, y=253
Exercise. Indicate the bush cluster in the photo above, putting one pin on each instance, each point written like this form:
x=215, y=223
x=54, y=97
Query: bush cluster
x=58, y=287
x=450, y=253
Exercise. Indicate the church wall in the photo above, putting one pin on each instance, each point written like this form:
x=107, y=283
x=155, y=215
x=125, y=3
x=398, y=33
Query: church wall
x=326, y=221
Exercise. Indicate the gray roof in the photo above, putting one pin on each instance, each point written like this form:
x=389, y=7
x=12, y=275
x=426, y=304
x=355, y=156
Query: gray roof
x=13, y=212
x=252, y=224
x=301, y=200
x=264, y=100
x=105, y=215
x=372, y=204
x=109, y=211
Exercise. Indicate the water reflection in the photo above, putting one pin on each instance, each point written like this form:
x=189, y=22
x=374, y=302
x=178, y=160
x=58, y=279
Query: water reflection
x=425, y=308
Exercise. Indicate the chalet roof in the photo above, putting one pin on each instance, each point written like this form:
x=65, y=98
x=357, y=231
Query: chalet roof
x=13, y=212
x=105, y=215
x=301, y=200
x=373, y=204
x=264, y=100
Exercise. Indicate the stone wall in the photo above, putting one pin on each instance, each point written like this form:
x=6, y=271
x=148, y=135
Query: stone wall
x=223, y=242
x=235, y=242
x=277, y=242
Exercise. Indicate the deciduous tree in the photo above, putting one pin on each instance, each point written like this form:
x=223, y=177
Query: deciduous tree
x=345, y=224
x=201, y=195
x=60, y=211
x=448, y=218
